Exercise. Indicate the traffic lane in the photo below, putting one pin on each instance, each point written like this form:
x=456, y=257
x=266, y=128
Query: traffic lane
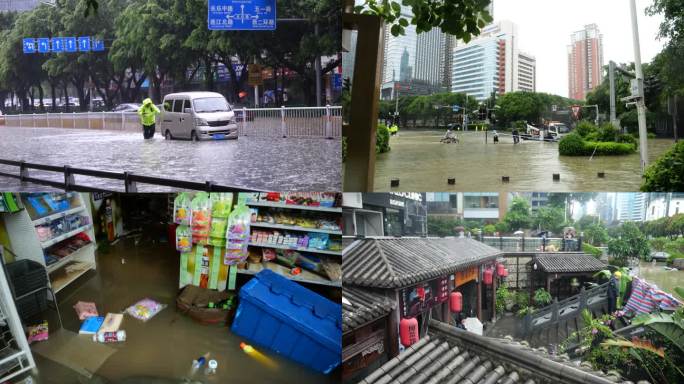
x=267, y=163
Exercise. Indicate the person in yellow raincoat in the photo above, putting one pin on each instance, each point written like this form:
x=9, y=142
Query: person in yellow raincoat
x=148, y=112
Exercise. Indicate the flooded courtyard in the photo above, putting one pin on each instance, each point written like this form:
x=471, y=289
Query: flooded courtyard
x=264, y=163
x=664, y=278
x=422, y=163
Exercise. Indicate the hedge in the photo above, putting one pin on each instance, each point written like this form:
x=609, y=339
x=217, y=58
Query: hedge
x=574, y=145
x=666, y=174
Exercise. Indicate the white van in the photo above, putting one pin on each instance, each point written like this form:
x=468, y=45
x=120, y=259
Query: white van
x=197, y=116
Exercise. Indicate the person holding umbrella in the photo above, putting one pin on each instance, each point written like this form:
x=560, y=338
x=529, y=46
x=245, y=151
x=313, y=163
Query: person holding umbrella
x=148, y=113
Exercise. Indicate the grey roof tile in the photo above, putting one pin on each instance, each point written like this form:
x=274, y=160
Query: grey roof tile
x=568, y=262
x=399, y=262
x=361, y=306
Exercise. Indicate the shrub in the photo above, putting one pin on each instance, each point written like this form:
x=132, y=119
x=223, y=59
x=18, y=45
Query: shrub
x=542, y=297
x=382, y=139
x=590, y=249
x=667, y=173
x=520, y=124
x=575, y=145
x=585, y=128
x=502, y=296
x=571, y=145
x=607, y=132
x=627, y=138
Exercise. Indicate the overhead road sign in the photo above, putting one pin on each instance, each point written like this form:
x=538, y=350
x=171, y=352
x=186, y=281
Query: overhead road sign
x=242, y=15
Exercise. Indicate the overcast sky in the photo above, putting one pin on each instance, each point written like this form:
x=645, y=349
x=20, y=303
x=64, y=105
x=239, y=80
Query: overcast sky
x=545, y=26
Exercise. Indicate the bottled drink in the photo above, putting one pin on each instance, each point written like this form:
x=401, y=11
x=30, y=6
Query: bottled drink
x=110, y=337
x=211, y=367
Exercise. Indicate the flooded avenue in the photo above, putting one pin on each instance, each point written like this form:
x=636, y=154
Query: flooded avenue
x=265, y=163
x=422, y=163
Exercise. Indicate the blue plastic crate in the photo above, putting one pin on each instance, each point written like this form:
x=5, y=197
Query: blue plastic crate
x=290, y=320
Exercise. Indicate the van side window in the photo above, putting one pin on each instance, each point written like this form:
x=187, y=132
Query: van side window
x=178, y=106
x=186, y=104
x=167, y=105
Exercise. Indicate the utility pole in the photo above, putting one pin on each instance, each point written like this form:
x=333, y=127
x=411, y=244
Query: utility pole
x=640, y=102
x=465, y=114
x=318, y=71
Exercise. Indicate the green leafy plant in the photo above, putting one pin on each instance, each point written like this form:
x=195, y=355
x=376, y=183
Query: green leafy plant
x=526, y=311
x=667, y=173
x=382, y=139
x=502, y=297
x=590, y=249
x=542, y=297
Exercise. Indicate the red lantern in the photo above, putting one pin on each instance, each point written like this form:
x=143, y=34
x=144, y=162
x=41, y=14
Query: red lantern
x=455, y=302
x=408, y=331
x=505, y=272
x=499, y=269
x=488, y=276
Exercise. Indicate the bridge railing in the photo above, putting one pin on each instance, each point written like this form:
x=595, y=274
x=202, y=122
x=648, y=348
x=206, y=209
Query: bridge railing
x=565, y=309
x=323, y=122
x=531, y=244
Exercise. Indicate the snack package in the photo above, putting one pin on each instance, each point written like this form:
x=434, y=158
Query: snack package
x=38, y=332
x=237, y=235
x=181, y=209
x=221, y=204
x=319, y=240
x=183, y=238
x=85, y=309
x=219, y=225
x=145, y=309
x=201, y=218
x=268, y=254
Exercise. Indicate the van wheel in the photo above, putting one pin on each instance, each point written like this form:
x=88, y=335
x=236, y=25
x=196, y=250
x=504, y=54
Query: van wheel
x=167, y=135
x=193, y=136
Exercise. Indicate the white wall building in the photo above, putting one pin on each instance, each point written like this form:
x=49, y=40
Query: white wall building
x=665, y=206
x=631, y=206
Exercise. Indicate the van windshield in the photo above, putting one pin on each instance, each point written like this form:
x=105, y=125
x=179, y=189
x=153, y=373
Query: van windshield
x=211, y=104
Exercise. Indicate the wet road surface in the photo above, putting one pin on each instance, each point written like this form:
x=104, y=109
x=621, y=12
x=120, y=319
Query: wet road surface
x=422, y=163
x=265, y=163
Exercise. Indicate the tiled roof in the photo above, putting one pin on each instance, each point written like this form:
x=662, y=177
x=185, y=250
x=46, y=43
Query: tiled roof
x=568, y=262
x=449, y=355
x=399, y=262
x=361, y=306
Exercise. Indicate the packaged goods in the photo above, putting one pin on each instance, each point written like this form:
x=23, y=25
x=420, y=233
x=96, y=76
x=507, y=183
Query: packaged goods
x=182, y=210
x=145, y=309
x=237, y=236
x=183, y=238
x=201, y=218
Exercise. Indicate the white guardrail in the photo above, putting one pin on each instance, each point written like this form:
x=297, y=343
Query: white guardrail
x=323, y=122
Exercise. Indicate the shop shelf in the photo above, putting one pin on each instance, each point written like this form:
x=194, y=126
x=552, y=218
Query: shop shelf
x=10, y=359
x=58, y=215
x=304, y=277
x=74, y=255
x=300, y=249
x=62, y=280
x=26, y=276
x=293, y=206
x=295, y=228
x=64, y=236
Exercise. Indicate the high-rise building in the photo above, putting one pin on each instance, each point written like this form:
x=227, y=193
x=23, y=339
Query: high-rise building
x=492, y=63
x=429, y=57
x=526, y=73
x=585, y=61
x=485, y=207
x=631, y=206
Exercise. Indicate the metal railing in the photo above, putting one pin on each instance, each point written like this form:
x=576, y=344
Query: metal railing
x=129, y=180
x=290, y=122
x=262, y=122
x=531, y=244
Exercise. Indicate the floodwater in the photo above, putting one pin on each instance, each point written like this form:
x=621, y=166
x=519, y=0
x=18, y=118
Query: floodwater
x=422, y=163
x=263, y=163
x=160, y=350
x=666, y=280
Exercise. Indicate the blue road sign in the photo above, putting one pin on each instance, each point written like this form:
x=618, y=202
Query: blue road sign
x=29, y=45
x=57, y=44
x=70, y=44
x=455, y=108
x=84, y=44
x=241, y=15
x=98, y=45
x=337, y=80
x=43, y=45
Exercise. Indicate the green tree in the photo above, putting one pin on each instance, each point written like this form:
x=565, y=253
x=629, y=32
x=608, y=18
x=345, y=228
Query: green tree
x=629, y=243
x=585, y=221
x=442, y=226
x=489, y=229
x=516, y=106
x=518, y=215
x=550, y=219
x=596, y=234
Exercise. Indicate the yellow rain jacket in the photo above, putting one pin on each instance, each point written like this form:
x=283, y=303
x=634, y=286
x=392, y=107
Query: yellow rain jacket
x=148, y=111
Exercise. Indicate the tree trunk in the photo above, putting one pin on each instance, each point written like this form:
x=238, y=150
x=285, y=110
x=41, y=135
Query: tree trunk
x=66, y=97
x=52, y=93
x=41, y=94
x=208, y=74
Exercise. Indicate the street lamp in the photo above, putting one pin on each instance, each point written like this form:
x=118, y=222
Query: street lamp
x=640, y=102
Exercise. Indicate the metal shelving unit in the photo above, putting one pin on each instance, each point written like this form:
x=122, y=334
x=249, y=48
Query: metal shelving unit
x=295, y=228
x=293, y=206
x=26, y=244
x=300, y=249
x=15, y=354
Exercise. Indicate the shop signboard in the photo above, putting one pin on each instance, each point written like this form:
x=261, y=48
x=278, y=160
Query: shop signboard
x=466, y=276
x=422, y=297
x=255, y=77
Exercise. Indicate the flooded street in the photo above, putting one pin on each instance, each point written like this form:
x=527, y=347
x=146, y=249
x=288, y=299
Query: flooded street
x=422, y=163
x=664, y=279
x=265, y=163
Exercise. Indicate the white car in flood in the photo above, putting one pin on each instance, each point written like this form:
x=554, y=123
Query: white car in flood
x=197, y=116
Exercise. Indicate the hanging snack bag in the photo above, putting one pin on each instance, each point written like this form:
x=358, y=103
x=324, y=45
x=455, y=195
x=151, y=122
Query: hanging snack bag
x=183, y=238
x=181, y=209
x=221, y=204
x=201, y=218
x=237, y=235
